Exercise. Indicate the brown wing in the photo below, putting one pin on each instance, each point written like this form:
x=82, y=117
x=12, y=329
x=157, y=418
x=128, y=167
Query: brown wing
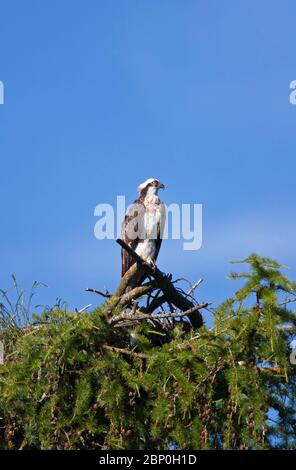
x=131, y=223
x=160, y=229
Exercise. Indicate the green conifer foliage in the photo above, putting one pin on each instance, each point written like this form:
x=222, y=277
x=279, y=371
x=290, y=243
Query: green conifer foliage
x=77, y=382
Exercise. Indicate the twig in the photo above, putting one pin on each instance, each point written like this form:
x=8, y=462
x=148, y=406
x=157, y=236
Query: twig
x=95, y=291
x=190, y=311
x=123, y=351
x=83, y=308
x=195, y=286
x=272, y=370
x=288, y=301
x=287, y=327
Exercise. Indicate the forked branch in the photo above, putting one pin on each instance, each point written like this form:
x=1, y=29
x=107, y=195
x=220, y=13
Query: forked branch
x=162, y=281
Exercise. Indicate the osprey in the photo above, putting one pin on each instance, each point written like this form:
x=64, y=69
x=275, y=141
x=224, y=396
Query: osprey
x=143, y=226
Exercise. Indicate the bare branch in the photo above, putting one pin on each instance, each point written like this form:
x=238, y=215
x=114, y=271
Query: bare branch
x=81, y=310
x=135, y=293
x=126, y=280
x=123, y=351
x=95, y=291
x=195, y=286
x=288, y=301
x=138, y=316
x=164, y=283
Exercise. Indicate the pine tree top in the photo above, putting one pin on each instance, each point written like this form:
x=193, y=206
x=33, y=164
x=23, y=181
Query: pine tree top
x=83, y=381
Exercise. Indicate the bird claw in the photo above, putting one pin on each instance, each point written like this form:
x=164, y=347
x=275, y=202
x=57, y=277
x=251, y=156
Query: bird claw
x=151, y=263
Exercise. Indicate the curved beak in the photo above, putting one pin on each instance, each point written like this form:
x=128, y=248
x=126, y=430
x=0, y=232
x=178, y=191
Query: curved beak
x=161, y=186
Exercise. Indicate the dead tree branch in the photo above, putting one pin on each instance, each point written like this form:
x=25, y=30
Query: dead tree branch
x=195, y=286
x=123, y=351
x=138, y=315
x=136, y=293
x=163, y=282
x=95, y=291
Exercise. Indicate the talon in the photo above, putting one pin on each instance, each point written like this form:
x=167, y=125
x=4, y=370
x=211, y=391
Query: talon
x=151, y=262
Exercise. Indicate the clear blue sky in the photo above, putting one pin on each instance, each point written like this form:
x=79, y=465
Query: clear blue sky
x=100, y=95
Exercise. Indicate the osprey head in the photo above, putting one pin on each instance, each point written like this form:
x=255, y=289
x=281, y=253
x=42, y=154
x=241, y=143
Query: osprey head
x=152, y=183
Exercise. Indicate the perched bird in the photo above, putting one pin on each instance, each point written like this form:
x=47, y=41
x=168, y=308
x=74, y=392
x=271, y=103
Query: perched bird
x=143, y=226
